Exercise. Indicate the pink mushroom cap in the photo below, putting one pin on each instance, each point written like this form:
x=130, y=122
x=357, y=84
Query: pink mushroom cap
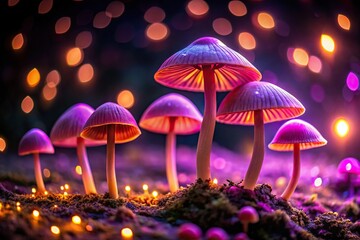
x=35, y=141
x=297, y=131
x=183, y=70
x=248, y=214
x=68, y=127
x=189, y=231
x=156, y=117
x=126, y=128
x=349, y=165
x=216, y=233
x=239, y=105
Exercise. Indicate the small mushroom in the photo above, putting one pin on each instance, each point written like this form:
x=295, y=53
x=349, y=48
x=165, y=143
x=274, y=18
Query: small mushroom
x=350, y=167
x=256, y=103
x=296, y=135
x=189, y=231
x=247, y=215
x=171, y=114
x=216, y=233
x=115, y=124
x=35, y=142
x=66, y=133
x=206, y=65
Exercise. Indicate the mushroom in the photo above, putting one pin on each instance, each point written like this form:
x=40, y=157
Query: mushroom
x=34, y=142
x=256, y=103
x=349, y=167
x=115, y=124
x=189, y=231
x=171, y=114
x=247, y=215
x=66, y=133
x=216, y=233
x=296, y=135
x=206, y=65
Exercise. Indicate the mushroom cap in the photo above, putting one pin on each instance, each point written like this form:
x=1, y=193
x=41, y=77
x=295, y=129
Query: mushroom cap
x=183, y=70
x=110, y=113
x=35, y=141
x=156, y=117
x=189, y=231
x=239, y=105
x=216, y=233
x=68, y=127
x=349, y=165
x=248, y=214
x=297, y=131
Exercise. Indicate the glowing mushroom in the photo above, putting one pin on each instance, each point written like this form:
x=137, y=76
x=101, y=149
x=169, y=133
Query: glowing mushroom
x=296, y=135
x=206, y=65
x=256, y=103
x=115, y=124
x=171, y=114
x=247, y=215
x=35, y=142
x=66, y=133
x=350, y=167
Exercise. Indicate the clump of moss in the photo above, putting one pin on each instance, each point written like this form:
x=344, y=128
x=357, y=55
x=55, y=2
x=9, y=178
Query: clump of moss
x=350, y=210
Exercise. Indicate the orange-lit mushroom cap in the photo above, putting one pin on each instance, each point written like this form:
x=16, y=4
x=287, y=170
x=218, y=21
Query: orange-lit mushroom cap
x=35, y=141
x=157, y=116
x=183, y=70
x=68, y=127
x=296, y=131
x=109, y=113
x=239, y=105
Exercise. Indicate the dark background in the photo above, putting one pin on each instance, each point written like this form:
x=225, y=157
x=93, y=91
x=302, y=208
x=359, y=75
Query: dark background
x=132, y=64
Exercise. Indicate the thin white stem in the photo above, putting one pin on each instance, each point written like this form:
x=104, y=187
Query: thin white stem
x=208, y=125
x=290, y=189
x=257, y=158
x=170, y=150
x=38, y=174
x=110, y=162
x=87, y=177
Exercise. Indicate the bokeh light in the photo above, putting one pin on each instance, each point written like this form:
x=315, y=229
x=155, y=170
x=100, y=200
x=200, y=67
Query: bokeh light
x=301, y=57
x=27, y=104
x=76, y=219
x=46, y=172
x=115, y=9
x=45, y=6
x=344, y=22
x=237, y=8
x=55, y=230
x=327, y=43
x=126, y=99
x=33, y=78
x=12, y=3
x=85, y=73
x=154, y=14
x=2, y=144
x=157, y=31
x=78, y=170
x=36, y=213
x=222, y=26
x=18, y=41
x=53, y=78
x=102, y=20
x=247, y=40
x=315, y=64
x=197, y=8
x=318, y=182
x=126, y=233
x=83, y=39
x=49, y=92
x=265, y=20
x=341, y=127
x=74, y=56
x=62, y=25
x=352, y=81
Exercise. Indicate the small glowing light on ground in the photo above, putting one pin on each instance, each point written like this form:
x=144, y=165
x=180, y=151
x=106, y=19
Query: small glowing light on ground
x=127, y=188
x=344, y=22
x=74, y=56
x=126, y=99
x=318, y=182
x=32, y=195
x=222, y=26
x=62, y=25
x=33, y=78
x=18, y=41
x=265, y=20
x=126, y=233
x=327, y=43
x=62, y=188
x=18, y=208
x=55, y=206
x=237, y=8
x=46, y=173
x=78, y=170
x=145, y=187
x=76, y=219
x=33, y=190
x=341, y=127
x=27, y=104
x=65, y=194
x=157, y=31
x=85, y=73
x=55, y=230
x=197, y=8
x=280, y=182
x=18, y=204
x=301, y=57
x=67, y=186
x=46, y=192
x=155, y=194
x=89, y=228
x=247, y=40
x=315, y=64
x=2, y=144
x=215, y=181
x=36, y=213
x=352, y=81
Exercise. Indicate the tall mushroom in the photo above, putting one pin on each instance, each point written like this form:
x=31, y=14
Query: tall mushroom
x=206, y=65
x=66, y=133
x=115, y=124
x=171, y=114
x=35, y=142
x=256, y=103
x=296, y=135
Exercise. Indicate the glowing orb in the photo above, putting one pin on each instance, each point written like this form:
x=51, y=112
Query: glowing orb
x=318, y=182
x=126, y=233
x=126, y=99
x=341, y=127
x=327, y=43
x=348, y=167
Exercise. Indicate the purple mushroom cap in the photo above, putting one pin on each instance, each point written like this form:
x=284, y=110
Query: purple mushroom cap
x=349, y=165
x=216, y=233
x=248, y=214
x=189, y=231
x=35, y=141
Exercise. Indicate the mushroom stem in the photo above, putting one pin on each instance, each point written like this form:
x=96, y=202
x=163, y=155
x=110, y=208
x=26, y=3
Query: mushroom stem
x=350, y=184
x=110, y=162
x=208, y=125
x=38, y=175
x=295, y=174
x=87, y=177
x=171, y=172
x=245, y=227
x=257, y=158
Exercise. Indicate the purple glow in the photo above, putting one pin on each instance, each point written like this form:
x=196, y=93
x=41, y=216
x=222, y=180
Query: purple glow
x=317, y=93
x=352, y=81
